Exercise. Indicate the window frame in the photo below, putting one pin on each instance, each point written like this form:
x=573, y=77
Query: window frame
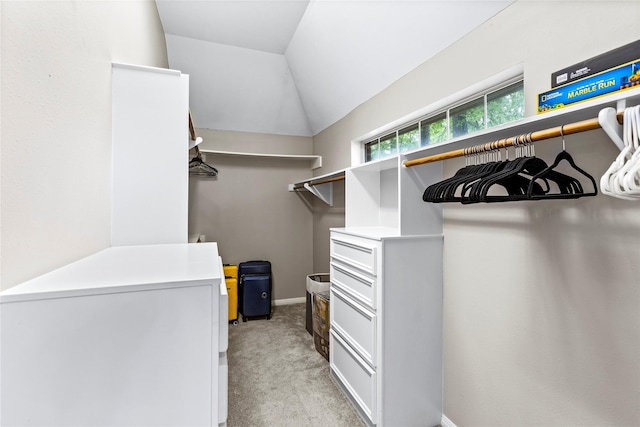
x=445, y=112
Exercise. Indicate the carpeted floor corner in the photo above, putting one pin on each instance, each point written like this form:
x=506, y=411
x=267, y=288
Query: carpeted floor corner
x=277, y=378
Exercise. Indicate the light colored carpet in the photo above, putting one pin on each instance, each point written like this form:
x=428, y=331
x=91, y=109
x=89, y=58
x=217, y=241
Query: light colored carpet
x=277, y=378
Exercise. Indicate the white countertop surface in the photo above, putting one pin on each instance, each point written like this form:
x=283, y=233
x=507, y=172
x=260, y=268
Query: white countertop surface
x=125, y=269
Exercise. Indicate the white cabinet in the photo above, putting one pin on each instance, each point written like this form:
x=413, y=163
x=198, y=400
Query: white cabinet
x=386, y=347
x=386, y=296
x=133, y=335
x=150, y=140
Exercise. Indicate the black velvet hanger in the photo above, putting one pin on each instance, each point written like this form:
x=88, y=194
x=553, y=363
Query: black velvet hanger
x=524, y=178
x=573, y=189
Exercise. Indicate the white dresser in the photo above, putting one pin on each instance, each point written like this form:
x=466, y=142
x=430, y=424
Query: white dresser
x=130, y=336
x=386, y=299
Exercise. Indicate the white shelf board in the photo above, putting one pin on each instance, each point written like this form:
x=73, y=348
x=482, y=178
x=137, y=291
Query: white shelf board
x=317, y=160
x=378, y=165
x=334, y=174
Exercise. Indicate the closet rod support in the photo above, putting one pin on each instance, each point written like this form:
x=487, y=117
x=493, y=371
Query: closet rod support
x=323, y=192
x=194, y=142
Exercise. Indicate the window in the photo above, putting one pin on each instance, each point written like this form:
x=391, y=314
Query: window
x=382, y=147
x=434, y=130
x=493, y=108
x=467, y=118
x=371, y=151
x=409, y=138
x=388, y=146
x=505, y=105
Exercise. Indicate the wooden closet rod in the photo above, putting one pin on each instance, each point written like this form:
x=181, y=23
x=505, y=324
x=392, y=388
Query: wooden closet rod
x=568, y=129
x=322, y=181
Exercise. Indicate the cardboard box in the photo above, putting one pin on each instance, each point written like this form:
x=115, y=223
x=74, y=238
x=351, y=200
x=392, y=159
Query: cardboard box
x=321, y=322
x=623, y=77
x=597, y=64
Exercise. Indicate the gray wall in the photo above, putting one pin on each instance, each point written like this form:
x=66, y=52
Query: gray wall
x=541, y=300
x=248, y=210
x=55, y=204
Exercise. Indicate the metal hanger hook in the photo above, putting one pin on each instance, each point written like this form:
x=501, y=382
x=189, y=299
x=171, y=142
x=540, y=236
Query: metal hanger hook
x=562, y=135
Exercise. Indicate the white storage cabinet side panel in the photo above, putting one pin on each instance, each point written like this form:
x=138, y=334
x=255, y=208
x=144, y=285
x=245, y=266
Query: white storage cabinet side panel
x=362, y=198
x=130, y=358
x=411, y=375
x=223, y=345
x=150, y=156
x=389, y=198
x=416, y=216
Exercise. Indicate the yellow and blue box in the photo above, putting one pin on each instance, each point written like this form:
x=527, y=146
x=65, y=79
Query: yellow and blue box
x=616, y=79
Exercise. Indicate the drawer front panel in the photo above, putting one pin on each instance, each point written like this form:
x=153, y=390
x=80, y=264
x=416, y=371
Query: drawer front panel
x=360, y=254
x=357, y=285
x=354, y=373
x=354, y=323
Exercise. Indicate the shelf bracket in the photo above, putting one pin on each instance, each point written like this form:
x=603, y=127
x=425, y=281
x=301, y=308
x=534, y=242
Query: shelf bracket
x=609, y=123
x=322, y=191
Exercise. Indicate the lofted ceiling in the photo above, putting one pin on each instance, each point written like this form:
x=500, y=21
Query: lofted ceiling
x=295, y=67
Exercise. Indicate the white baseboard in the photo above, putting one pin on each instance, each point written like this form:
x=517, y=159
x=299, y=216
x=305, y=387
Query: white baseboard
x=446, y=422
x=288, y=301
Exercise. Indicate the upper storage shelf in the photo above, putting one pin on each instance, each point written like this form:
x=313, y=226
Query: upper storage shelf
x=316, y=161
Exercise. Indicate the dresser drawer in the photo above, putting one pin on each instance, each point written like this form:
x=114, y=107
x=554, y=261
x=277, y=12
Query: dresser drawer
x=355, y=374
x=354, y=323
x=359, y=286
x=359, y=253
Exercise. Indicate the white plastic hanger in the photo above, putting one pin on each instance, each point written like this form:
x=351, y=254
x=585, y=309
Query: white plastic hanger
x=613, y=182
x=630, y=178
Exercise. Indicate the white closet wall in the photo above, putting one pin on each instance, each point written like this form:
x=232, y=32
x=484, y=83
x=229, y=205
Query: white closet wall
x=150, y=156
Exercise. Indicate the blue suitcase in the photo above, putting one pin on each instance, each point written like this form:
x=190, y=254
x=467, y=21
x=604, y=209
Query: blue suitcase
x=254, y=291
x=254, y=267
